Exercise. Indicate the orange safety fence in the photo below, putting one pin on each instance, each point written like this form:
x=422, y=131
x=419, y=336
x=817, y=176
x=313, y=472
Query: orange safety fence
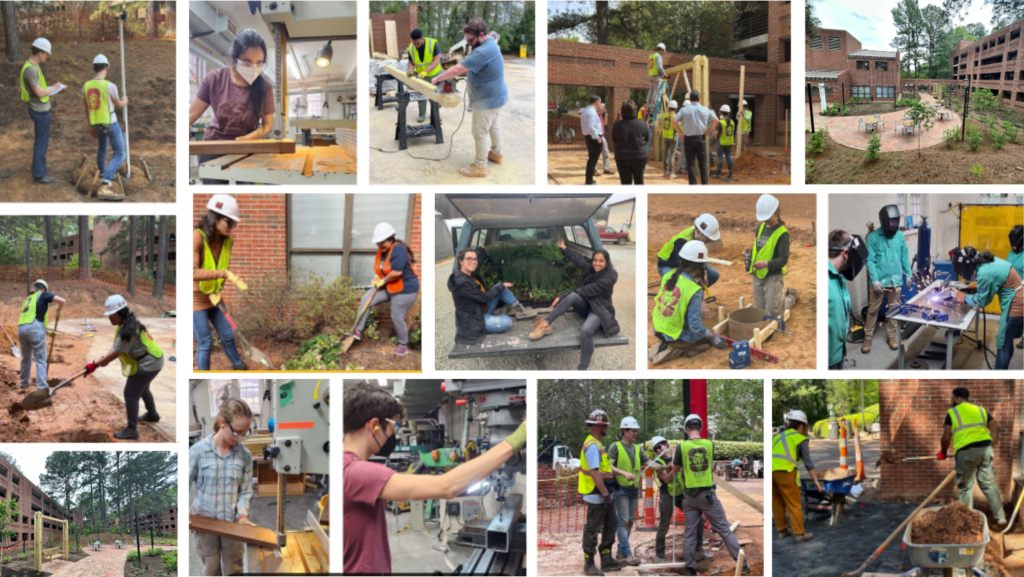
x=71, y=26
x=116, y=279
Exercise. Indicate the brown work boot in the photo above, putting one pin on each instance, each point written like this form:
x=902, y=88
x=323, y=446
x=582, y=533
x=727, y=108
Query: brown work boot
x=473, y=171
x=495, y=158
x=542, y=328
x=785, y=534
x=523, y=313
x=866, y=347
x=609, y=170
x=892, y=342
x=107, y=193
x=805, y=537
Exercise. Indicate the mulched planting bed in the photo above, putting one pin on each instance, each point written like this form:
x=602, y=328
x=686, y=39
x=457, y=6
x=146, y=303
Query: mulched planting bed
x=955, y=524
x=24, y=567
x=151, y=567
x=866, y=108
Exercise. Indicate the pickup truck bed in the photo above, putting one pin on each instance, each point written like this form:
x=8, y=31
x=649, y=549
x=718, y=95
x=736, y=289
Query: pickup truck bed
x=517, y=341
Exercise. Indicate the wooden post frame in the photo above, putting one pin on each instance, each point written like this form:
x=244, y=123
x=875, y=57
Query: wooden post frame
x=739, y=115
x=37, y=547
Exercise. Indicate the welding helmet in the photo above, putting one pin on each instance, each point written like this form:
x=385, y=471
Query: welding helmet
x=1017, y=238
x=889, y=219
x=857, y=256
x=965, y=262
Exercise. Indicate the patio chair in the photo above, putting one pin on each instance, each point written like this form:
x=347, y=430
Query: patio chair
x=863, y=125
x=117, y=544
x=898, y=127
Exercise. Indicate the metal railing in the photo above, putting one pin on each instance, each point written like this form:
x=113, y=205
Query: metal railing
x=750, y=26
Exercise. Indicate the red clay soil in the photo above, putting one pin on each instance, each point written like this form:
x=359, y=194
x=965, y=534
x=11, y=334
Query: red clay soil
x=670, y=213
x=84, y=300
x=367, y=355
x=151, y=92
x=955, y=524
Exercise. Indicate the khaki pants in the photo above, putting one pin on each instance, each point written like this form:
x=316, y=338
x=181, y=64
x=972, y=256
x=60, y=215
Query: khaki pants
x=485, y=124
x=786, y=499
x=220, y=556
x=874, y=304
x=977, y=462
x=770, y=294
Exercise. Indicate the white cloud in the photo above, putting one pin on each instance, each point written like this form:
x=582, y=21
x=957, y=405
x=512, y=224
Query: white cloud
x=837, y=14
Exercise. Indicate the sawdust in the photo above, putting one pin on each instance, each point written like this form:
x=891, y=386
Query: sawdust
x=670, y=213
x=955, y=524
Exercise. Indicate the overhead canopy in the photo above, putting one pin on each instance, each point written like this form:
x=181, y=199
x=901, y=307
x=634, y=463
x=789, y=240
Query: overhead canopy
x=886, y=54
x=490, y=211
x=822, y=75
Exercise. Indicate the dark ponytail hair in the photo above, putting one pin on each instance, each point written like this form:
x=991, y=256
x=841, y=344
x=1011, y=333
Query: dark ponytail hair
x=129, y=325
x=680, y=265
x=245, y=40
x=984, y=258
x=412, y=257
x=208, y=224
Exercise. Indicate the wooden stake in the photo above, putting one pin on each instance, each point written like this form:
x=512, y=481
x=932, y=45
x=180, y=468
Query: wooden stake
x=92, y=187
x=81, y=164
x=787, y=135
x=145, y=167
x=80, y=175
x=739, y=116
x=739, y=562
x=120, y=183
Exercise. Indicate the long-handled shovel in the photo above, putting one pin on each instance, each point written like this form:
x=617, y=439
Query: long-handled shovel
x=43, y=398
x=351, y=338
x=250, y=351
x=1014, y=517
x=14, y=348
x=53, y=341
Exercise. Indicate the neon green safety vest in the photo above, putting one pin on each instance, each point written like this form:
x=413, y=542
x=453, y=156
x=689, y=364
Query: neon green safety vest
x=586, y=482
x=669, y=316
x=747, y=117
x=666, y=250
x=623, y=463
x=675, y=488
x=42, y=83
x=698, y=456
x=766, y=252
x=728, y=132
x=970, y=425
x=667, y=130
x=97, y=101
x=784, y=454
x=428, y=57
x=28, y=310
x=652, y=64
x=130, y=365
x=214, y=285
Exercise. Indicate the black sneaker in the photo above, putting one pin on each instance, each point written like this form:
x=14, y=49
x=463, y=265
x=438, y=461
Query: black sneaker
x=127, y=434
x=148, y=418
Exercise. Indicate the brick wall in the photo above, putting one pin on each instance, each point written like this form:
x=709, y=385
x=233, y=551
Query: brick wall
x=825, y=59
x=912, y=414
x=406, y=20
x=839, y=60
x=24, y=525
x=1011, y=92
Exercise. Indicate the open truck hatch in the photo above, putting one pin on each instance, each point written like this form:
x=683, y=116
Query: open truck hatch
x=517, y=342
x=488, y=211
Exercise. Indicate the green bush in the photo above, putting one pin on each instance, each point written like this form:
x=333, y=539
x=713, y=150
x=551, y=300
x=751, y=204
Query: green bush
x=319, y=353
x=874, y=148
x=6, y=559
x=94, y=263
x=816, y=145
x=808, y=166
x=153, y=551
x=1011, y=131
x=870, y=414
x=974, y=137
x=977, y=170
x=22, y=555
x=132, y=555
x=170, y=561
x=950, y=136
x=998, y=138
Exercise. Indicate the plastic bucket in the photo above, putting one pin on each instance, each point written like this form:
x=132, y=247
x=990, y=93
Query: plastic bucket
x=961, y=555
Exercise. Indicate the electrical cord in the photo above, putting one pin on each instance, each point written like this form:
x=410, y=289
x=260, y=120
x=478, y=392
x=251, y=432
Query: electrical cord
x=451, y=141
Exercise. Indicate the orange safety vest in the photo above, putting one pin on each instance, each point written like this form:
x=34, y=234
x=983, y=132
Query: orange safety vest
x=383, y=270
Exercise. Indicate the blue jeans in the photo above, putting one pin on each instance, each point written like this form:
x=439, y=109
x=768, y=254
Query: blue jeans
x=626, y=501
x=712, y=273
x=42, y=122
x=728, y=156
x=116, y=138
x=204, y=339
x=1005, y=354
x=499, y=323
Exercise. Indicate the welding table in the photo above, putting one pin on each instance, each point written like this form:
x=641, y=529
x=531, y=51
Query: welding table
x=960, y=318
x=307, y=165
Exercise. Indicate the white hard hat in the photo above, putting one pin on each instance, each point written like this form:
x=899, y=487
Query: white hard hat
x=383, y=232
x=114, y=303
x=658, y=440
x=708, y=226
x=629, y=423
x=725, y=108
x=686, y=103
x=100, y=59
x=798, y=416
x=42, y=282
x=694, y=251
x=744, y=103
x=43, y=44
x=766, y=207
x=661, y=46
x=673, y=104
x=224, y=205
x=693, y=416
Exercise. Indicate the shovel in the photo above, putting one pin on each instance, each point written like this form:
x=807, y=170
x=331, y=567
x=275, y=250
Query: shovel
x=352, y=337
x=53, y=341
x=931, y=458
x=42, y=398
x=250, y=351
x=1014, y=517
x=14, y=348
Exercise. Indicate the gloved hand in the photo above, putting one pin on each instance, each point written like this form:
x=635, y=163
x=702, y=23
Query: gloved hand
x=961, y=297
x=244, y=520
x=57, y=315
x=51, y=333
x=91, y=368
x=236, y=281
x=940, y=456
x=518, y=438
x=718, y=342
x=877, y=287
x=215, y=299
x=910, y=282
x=378, y=283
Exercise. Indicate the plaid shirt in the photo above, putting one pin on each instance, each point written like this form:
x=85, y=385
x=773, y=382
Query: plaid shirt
x=224, y=482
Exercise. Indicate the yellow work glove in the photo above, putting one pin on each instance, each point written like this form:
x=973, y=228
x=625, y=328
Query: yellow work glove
x=518, y=438
x=236, y=281
x=378, y=282
x=215, y=299
x=57, y=315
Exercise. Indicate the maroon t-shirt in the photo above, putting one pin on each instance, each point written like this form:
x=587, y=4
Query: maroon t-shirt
x=233, y=115
x=366, y=548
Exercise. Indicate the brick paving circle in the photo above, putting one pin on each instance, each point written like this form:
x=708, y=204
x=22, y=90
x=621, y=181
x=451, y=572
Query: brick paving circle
x=845, y=130
x=108, y=561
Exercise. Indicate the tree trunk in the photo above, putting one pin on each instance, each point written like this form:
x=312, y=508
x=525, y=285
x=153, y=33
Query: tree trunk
x=83, y=248
x=161, y=267
x=11, y=32
x=602, y=22
x=150, y=231
x=152, y=30
x=131, y=255
x=49, y=241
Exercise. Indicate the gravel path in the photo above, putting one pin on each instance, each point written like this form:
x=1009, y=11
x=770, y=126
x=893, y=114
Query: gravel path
x=605, y=358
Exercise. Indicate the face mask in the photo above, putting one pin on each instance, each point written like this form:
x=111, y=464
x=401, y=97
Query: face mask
x=248, y=71
x=388, y=447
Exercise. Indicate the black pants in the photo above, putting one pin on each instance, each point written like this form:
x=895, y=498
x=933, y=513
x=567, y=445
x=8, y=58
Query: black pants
x=694, y=148
x=137, y=387
x=631, y=171
x=600, y=519
x=591, y=323
x=594, y=149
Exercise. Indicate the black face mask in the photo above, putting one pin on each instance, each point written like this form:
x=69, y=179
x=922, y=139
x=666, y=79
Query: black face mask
x=388, y=447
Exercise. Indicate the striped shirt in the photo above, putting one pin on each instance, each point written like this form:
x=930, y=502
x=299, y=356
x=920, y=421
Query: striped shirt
x=224, y=483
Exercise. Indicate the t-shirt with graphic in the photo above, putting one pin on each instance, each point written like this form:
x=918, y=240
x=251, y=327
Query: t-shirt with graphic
x=694, y=460
x=233, y=115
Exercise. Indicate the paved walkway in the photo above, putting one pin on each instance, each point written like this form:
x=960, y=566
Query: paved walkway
x=107, y=562
x=846, y=131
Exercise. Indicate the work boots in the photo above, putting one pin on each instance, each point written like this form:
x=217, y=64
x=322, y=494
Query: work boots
x=805, y=537
x=495, y=158
x=785, y=533
x=473, y=171
x=522, y=313
x=704, y=555
x=792, y=295
x=107, y=193
x=542, y=328
x=866, y=347
x=149, y=418
x=127, y=434
x=891, y=339
x=588, y=566
x=631, y=561
x=609, y=564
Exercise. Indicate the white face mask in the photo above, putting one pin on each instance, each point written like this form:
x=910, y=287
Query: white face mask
x=248, y=71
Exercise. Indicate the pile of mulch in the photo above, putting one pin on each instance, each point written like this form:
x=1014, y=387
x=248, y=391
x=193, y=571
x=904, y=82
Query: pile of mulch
x=152, y=566
x=955, y=524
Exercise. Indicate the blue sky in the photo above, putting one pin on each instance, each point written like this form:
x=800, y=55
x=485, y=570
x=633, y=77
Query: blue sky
x=870, y=21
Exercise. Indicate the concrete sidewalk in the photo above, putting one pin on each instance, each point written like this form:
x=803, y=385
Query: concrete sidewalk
x=825, y=454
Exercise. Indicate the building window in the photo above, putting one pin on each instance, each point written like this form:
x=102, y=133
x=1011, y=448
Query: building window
x=861, y=91
x=16, y=480
x=993, y=60
x=977, y=49
x=956, y=60
x=1009, y=75
x=910, y=205
x=246, y=389
x=881, y=65
x=331, y=235
x=198, y=69
x=834, y=43
x=1015, y=34
x=1001, y=40
x=816, y=43
x=863, y=65
x=1011, y=56
x=884, y=91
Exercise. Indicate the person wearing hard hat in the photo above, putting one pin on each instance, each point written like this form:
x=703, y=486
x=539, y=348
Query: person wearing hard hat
x=992, y=278
x=705, y=229
x=694, y=458
x=211, y=255
x=748, y=121
x=973, y=432
x=678, y=308
x=627, y=456
x=35, y=312
x=668, y=135
x=597, y=483
x=141, y=361
x=790, y=448
x=766, y=260
x=670, y=497
x=888, y=272
x=655, y=74
x=100, y=97
x=725, y=139
x=1016, y=257
x=424, y=62
x=394, y=282
x=36, y=94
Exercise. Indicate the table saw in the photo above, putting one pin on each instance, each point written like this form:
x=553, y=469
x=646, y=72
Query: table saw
x=307, y=165
x=923, y=307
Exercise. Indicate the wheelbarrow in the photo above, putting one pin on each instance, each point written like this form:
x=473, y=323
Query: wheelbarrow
x=831, y=500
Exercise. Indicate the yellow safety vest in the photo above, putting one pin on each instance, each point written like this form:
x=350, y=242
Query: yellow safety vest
x=970, y=425
x=652, y=65
x=747, y=117
x=675, y=488
x=784, y=454
x=666, y=249
x=669, y=314
x=428, y=57
x=667, y=131
x=624, y=464
x=42, y=83
x=728, y=132
x=766, y=251
x=697, y=458
x=97, y=101
x=28, y=310
x=586, y=482
x=215, y=285
x=129, y=364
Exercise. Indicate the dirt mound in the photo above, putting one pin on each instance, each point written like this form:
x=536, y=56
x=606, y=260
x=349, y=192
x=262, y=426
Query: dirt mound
x=84, y=300
x=890, y=458
x=955, y=524
x=835, y=474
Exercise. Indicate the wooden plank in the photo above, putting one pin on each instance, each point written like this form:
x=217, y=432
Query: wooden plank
x=371, y=38
x=324, y=123
x=381, y=56
x=391, y=38
x=222, y=147
x=739, y=117
x=424, y=87
x=257, y=536
x=759, y=507
x=681, y=67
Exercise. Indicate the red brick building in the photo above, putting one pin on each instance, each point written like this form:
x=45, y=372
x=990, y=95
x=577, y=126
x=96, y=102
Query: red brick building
x=99, y=239
x=406, y=20
x=761, y=41
x=837, y=59
x=995, y=62
x=166, y=522
x=14, y=485
x=911, y=415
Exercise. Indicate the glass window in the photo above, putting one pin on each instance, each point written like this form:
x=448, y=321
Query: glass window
x=326, y=266
x=881, y=65
x=861, y=91
x=884, y=91
x=863, y=65
x=569, y=234
x=360, y=268
x=581, y=236
x=317, y=221
x=368, y=211
x=246, y=389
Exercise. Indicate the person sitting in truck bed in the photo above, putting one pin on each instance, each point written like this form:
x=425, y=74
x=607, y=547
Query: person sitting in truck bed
x=591, y=299
x=474, y=305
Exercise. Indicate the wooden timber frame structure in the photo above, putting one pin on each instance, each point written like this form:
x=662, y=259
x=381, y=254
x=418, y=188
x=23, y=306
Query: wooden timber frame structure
x=37, y=547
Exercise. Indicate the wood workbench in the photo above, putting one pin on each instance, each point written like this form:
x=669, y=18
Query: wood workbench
x=307, y=165
x=302, y=554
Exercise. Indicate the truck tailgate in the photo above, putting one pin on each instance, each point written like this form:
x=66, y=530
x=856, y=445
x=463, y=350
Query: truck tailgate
x=517, y=341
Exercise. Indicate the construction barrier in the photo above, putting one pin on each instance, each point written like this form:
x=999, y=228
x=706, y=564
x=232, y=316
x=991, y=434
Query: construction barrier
x=115, y=279
x=60, y=25
x=843, y=464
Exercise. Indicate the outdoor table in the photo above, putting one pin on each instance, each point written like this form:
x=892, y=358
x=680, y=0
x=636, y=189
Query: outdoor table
x=943, y=113
x=871, y=121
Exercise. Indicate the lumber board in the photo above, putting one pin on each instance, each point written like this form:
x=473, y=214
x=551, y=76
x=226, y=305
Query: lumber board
x=382, y=56
x=371, y=36
x=256, y=536
x=221, y=147
x=759, y=507
x=391, y=38
x=739, y=115
x=424, y=87
x=324, y=123
x=681, y=67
